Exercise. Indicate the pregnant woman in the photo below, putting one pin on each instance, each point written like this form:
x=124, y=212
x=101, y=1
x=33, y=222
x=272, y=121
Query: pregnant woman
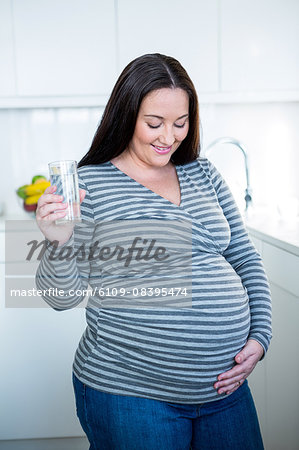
x=163, y=362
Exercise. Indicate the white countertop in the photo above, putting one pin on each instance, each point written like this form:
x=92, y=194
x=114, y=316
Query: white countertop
x=276, y=231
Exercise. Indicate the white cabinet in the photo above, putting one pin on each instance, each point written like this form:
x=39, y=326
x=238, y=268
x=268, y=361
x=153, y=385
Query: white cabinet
x=259, y=45
x=257, y=383
x=282, y=268
x=282, y=361
x=283, y=373
x=186, y=31
x=7, y=69
x=64, y=48
x=274, y=380
x=36, y=392
x=70, y=53
x=36, y=353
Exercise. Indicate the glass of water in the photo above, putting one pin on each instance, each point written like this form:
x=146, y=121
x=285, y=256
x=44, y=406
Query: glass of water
x=64, y=175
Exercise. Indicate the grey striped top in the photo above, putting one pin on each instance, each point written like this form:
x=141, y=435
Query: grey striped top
x=155, y=343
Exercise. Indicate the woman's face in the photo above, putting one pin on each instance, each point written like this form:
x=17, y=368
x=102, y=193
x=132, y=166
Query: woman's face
x=162, y=124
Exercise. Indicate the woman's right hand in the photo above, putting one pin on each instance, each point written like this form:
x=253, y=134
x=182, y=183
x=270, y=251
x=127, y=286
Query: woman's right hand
x=45, y=216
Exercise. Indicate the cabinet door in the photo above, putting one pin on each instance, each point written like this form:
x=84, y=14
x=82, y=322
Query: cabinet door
x=282, y=268
x=65, y=47
x=259, y=45
x=7, y=73
x=185, y=30
x=257, y=383
x=283, y=373
x=36, y=382
x=36, y=351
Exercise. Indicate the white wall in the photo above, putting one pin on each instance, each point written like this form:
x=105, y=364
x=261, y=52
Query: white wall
x=31, y=138
x=271, y=136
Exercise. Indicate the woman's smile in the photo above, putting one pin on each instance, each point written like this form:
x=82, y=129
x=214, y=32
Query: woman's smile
x=161, y=150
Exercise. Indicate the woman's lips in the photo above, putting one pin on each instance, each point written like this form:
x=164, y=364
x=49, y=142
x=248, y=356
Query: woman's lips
x=162, y=150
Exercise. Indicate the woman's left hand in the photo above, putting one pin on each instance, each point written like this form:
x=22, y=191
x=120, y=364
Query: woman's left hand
x=246, y=360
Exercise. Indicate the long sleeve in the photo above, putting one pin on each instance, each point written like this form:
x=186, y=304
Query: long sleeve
x=63, y=273
x=247, y=263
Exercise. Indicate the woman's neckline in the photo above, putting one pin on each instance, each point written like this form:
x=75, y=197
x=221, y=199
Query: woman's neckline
x=150, y=190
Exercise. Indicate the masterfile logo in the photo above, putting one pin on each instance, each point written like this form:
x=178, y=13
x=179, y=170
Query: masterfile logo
x=123, y=263
x=140, y=249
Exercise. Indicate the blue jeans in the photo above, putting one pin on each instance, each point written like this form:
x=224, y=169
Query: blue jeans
x=118, y=422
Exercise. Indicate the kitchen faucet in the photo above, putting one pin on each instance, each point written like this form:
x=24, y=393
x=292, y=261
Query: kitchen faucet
x=240, y=146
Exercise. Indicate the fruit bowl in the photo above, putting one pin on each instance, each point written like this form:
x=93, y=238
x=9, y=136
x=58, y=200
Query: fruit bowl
x=29, y=194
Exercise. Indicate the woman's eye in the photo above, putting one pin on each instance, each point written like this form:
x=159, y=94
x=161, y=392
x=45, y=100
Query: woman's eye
x=176, y=125
x=153, y=126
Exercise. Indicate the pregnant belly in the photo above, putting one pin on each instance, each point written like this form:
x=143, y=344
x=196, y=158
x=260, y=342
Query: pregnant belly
x=188, y=347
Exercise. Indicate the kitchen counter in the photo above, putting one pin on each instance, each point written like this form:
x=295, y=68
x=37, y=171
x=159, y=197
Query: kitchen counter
x=281, y=233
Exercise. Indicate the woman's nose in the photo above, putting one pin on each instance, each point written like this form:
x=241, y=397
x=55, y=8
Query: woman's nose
x=167, y=136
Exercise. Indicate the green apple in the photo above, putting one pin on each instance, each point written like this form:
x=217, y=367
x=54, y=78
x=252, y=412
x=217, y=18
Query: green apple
x=38, y=179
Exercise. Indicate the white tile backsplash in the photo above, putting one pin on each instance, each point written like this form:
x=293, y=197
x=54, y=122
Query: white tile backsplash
x=30, y=138
x=270, y=133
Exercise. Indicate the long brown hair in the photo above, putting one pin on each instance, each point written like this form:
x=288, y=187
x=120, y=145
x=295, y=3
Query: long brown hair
x=140, y=77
